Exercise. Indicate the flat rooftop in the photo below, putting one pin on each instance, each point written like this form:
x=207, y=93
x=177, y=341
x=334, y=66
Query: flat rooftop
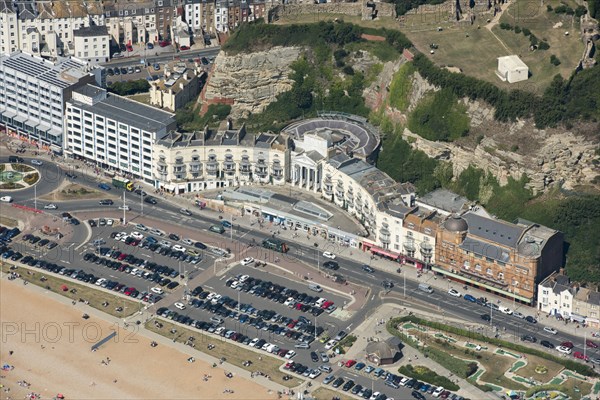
x=64, y=73
x=128, y=112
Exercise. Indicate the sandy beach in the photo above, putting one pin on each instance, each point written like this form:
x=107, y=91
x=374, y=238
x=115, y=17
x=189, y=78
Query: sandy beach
x=49, y=345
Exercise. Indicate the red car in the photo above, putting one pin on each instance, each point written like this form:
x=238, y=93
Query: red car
x=289, y=365
x=128, y=291
x=129, y=47
x=591, y=344
x=350, y=363
x=182, y=48
x=164, y=43
x=326, y=305
x=580, y=356
x=122, y=257
x=292, y=324
x=568, y=345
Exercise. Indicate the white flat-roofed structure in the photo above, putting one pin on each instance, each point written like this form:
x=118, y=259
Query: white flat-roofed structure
x=114, y=132
x=511, y=69
x=33, y=93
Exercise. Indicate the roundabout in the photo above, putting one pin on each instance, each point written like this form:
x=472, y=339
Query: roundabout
x=17, y=176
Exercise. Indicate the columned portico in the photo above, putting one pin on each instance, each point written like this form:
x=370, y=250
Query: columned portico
x=306, y=173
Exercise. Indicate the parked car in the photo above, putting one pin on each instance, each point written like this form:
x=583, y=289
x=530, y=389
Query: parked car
x=454, y=293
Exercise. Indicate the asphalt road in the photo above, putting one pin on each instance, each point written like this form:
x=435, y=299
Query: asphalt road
x=509, y=327
x=161, y=58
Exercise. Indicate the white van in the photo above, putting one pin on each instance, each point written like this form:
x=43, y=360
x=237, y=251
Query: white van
x=424, y=287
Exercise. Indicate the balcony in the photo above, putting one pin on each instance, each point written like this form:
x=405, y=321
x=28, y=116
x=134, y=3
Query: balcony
x=179, y=169
x=212, y=167
x=426, y=248
x=261, y=171
x=328, y=189
x=409, y=245
x=339, y=193
x=350, y=195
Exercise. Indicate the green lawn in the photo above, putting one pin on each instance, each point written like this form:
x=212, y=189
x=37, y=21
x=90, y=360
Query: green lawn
x=94, y=297
x=476, y=55
x=234, y=354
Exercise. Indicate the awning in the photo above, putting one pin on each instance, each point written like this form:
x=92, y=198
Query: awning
x=589, y=320
x=383, y=252
x=20, y=118
x=577, y=318
x=9, y=114
x=490, y=287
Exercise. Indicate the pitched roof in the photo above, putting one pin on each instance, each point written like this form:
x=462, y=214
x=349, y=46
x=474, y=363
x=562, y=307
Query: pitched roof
x=493, y=230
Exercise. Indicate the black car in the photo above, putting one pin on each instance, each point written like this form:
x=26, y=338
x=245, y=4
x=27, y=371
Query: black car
x=74, y=221
x=486, y=317
x=197, y=290
x=338, y=382
x=174, y=237
x=331, y=265
x=150, y=199
x=106, y=202
x=529, y=338
x=547, y=344
x=200, y=245
x=368, y=269
x=530, y=319
x=71, y=175
x=348, y=385
x=417, y=395
x=314, y=357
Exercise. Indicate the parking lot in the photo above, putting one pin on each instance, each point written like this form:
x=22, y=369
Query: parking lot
x=154, y=70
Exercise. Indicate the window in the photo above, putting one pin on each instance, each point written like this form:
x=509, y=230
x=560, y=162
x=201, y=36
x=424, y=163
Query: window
x=489, y=271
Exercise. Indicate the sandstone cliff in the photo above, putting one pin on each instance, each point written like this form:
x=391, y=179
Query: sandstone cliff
x=250, y=81
x=546, y=156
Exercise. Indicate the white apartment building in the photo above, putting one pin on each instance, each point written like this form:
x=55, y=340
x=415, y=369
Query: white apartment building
x=132, y=23
x=45, y=28
x=33, y=93
x=192, y=11
x=195, y=161
x=222, y=16
x=92, y=44
x=9, y=28
x=114, y=132
x=555, y=296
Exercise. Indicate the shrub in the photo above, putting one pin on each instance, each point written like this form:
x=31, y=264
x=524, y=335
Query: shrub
x=543, y=45
x=31, y=178
x=517, y=29
x=580, y=11
x=554, y=60
x=425, y=374
x=549, y=8
x=526, y=32
x=348, y=70
x=505, y=26
x=130, y=87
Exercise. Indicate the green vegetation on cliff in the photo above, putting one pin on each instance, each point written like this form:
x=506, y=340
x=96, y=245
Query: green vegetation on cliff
x=401, y=87
x=439, y=116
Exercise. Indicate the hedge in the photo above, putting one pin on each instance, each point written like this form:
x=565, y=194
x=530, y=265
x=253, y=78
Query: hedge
x=425, y=374
x=569, y=364
x=458, y=367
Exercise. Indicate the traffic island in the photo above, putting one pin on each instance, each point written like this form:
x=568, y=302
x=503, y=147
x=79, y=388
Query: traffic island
x=17, y=176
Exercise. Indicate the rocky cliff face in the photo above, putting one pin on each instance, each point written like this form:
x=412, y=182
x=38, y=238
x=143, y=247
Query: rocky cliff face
x=546, y=156
x=250, y=81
